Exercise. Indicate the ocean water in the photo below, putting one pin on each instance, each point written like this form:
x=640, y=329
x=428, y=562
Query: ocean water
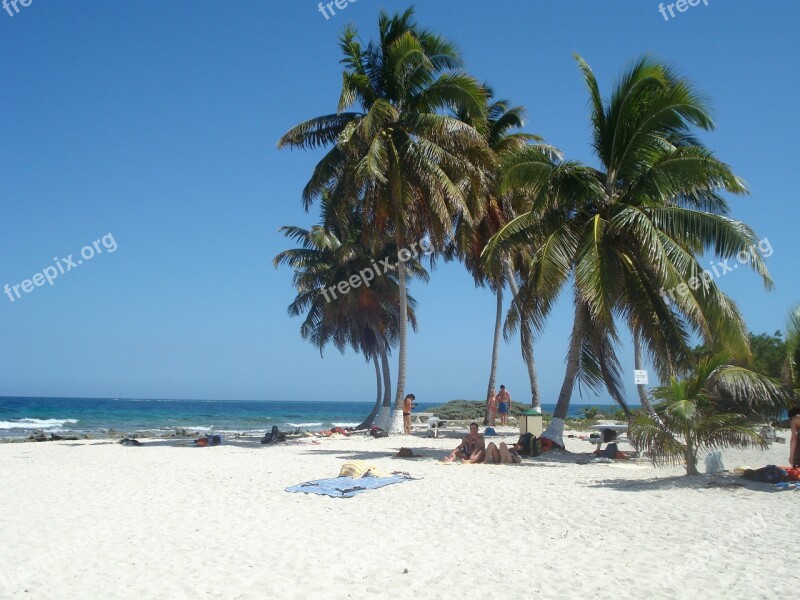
x=20, y=417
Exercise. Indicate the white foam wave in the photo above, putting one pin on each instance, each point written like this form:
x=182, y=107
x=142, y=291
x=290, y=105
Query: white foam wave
x=304, y=424
x=36, y=423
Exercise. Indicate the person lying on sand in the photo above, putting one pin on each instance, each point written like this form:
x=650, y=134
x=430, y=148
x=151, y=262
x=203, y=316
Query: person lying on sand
x=274, y=436
x=501, y=455
x=471, y=449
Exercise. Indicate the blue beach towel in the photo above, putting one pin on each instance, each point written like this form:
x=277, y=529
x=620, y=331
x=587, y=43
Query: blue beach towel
x=346, y=487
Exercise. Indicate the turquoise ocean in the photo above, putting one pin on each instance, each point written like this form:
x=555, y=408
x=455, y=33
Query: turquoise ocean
x=20, y=417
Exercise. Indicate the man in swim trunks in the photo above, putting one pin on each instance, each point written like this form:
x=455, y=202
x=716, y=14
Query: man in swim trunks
x=408, y=404
x=471, y=449
x=503, y=404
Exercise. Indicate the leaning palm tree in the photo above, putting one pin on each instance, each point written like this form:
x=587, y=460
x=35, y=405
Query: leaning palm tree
x=393, y=152
x=712, y=409
x=366, y=319
x=627, y=235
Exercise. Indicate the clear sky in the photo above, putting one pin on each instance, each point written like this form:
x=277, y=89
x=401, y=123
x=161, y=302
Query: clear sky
x=156, y=123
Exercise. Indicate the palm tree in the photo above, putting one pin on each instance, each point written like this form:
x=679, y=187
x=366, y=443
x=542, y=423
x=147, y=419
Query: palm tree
x=366, y=319
x=792, y=367
x=492, y=211
x=627, y=235
x=397, y=157
x=638, y=364
x=712, y=409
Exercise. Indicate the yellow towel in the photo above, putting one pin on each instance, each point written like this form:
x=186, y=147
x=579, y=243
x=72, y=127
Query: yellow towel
x=359, y=468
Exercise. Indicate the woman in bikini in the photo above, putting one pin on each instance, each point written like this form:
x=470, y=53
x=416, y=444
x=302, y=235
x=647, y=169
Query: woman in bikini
x=491, y=405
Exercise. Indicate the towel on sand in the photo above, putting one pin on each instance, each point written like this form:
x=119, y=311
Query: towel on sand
x=346, y=487
x=360, y=468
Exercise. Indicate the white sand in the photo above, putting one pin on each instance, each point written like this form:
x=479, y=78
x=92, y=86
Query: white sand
x=99, y=520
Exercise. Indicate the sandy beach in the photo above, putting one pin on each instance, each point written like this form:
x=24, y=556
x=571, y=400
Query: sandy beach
x=94, y=519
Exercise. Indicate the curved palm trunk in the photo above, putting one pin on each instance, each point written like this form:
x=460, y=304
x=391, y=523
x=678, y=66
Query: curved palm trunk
x=638, y=365
x=397, y=417
x=384, y=419
x=498, y=322
x=555, y=430
x=526, y=342
x=367, y=423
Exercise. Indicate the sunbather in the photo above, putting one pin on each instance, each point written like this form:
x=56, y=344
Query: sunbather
x=501, y=455
x=471, y=449
x=274, y=436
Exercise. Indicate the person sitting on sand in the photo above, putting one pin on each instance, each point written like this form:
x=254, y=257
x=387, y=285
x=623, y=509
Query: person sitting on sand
x=471, y=449
x=501, y=455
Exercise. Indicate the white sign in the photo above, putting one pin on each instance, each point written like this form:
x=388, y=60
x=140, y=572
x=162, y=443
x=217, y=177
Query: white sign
x=640, y=377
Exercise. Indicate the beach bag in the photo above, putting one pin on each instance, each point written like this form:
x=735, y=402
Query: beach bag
x=536, y=446
x=377, y=432
x=524, y=443
x=714, y=463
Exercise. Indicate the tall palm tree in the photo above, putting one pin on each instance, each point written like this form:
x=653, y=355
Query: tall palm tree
x=628, y=234
x=792, y=367
x=638, y=364
x=472, y=232
x=366, y=319
x=707, y=411
x=396, y=155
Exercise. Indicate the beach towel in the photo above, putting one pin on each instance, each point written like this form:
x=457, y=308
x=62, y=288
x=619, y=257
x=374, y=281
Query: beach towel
x=346, y=487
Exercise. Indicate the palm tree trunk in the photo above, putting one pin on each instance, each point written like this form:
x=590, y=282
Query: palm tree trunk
x=397, y=417
x=498, y=322
x=691, y=459
x=526, y=342
x=367, y=423
x=555, y=430
x=384, y=419
x=637, y=364
x=387, y=377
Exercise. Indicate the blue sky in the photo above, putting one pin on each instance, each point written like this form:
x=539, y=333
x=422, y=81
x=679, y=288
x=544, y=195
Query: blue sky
x=157, y=123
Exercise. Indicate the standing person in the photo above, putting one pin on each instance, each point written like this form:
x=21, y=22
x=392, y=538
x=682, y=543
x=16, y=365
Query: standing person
x=492, y=406
x=503, y=405
x=794, y=444
x=408, y=404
